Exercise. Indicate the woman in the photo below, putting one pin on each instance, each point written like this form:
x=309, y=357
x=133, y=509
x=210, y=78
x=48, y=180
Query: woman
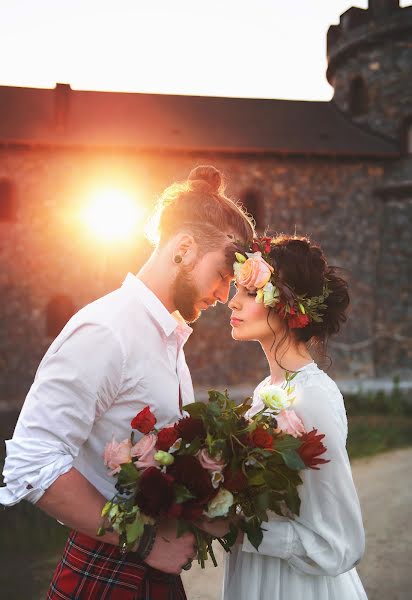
x=288, y=299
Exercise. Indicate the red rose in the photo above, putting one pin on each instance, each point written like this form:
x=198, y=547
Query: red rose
x=266, y=244
x=298, y=321
x=188, y=471
x=311, y=448
x=255, y=247
x=235, y=482
x=166, y=438
x=155, y=495
x=144, y=421
x=189, y=428
x=261, y=438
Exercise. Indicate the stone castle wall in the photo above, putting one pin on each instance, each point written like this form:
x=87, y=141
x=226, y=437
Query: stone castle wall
x=45, y=252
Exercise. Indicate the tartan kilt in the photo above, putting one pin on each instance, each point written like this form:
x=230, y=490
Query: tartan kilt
x=92, y=570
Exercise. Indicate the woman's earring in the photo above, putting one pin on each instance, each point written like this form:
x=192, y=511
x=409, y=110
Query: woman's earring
x=178, y=259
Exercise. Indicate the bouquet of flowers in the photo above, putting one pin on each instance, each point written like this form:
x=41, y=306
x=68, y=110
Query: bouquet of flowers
x=214, y=463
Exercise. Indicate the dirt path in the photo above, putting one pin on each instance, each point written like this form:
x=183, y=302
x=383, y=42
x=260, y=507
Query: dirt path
x=384, y=485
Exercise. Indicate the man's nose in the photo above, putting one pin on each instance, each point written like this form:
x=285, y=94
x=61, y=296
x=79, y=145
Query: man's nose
x=222, y=293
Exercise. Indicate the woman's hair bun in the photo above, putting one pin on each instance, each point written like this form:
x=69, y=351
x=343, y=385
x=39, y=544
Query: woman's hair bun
x=208, y=174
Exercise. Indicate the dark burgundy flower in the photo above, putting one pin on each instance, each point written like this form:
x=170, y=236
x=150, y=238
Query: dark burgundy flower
x=188, y=471
x=189, y=428
x=155, y=495
x=192, y=510
x=261, y=438
x=144, y=421
x=235, y=481
x=166, y=438
x=175, y=511
x=311, y=448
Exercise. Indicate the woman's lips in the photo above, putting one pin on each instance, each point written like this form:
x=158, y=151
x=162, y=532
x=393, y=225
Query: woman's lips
x=235, y=321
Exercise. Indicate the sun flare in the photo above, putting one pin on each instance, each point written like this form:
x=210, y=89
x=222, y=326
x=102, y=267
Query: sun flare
x=112, y=215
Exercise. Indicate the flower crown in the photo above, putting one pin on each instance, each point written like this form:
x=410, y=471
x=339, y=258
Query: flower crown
x=254, y=272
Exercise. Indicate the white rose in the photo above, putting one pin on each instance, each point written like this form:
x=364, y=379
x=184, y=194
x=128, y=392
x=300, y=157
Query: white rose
x=219, y=506
x=270, y=294
x=274, y=397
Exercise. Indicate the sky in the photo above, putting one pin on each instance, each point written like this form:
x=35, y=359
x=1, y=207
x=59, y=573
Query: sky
x=238, y=48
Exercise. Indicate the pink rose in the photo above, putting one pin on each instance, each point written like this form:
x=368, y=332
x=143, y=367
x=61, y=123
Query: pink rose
x=145, y=449
x=209, y=463
x=116, y=454
x=289, y=422
x=254, y=273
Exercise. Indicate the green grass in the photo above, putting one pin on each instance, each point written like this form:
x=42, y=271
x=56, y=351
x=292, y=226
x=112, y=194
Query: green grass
x=31, y=542
x=371, y=434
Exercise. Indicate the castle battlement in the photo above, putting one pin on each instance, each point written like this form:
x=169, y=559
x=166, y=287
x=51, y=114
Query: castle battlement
x=361, y=27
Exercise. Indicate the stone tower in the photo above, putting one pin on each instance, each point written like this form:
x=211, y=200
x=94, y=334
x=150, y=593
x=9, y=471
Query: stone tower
x=369, y=66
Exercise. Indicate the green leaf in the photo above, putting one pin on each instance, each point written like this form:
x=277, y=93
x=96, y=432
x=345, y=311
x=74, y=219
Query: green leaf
x=231, y=537
x=274, y=481
x=196, y=409
x=216, y=396
x=293, y=460
x=287, y=442
x=182, y=493
x=134, y=530
x=292, y=500
x=193, y=448
x=256, y=478
x=253, y=531
x=128, y=474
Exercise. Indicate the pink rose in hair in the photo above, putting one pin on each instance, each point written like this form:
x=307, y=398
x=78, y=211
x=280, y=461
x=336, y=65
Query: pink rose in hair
x=209, y=463
x=145, y=449
x=116, y=454
x=254, y=273
x=289, y=422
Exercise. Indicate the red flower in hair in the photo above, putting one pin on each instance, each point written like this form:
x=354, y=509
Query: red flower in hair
x=266, y=244
x=311, y=448
x=166, y=438
x=255, y=247
x=189, y=428
x=261, y=438
x=298, y=321
x=144, y=421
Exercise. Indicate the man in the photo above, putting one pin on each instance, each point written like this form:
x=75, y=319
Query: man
x=113, y=358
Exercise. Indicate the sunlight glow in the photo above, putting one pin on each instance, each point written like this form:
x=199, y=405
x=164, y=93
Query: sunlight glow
x=112, y=215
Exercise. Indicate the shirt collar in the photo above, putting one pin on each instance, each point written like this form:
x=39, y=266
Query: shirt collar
x=169, y=322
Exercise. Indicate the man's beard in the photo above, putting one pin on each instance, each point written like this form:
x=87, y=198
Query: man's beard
x=185, y=295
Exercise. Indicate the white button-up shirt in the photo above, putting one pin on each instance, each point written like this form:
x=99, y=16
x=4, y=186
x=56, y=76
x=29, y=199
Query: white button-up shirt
x=114, y=357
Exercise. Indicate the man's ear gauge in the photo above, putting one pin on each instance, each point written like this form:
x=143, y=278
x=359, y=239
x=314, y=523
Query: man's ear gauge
x=177, y=259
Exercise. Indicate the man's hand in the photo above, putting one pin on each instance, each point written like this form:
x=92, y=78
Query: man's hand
x=220, y=527
x=169, y=552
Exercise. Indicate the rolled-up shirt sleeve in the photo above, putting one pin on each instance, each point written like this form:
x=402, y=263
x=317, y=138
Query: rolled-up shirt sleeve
x=77, y=380
x=327, y=538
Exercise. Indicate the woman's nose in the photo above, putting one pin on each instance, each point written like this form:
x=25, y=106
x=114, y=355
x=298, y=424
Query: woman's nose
x=234, y=302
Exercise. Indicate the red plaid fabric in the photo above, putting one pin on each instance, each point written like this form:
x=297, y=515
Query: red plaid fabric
x=92, y=570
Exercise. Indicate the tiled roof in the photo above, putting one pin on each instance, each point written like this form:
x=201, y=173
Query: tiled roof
x=65, y=117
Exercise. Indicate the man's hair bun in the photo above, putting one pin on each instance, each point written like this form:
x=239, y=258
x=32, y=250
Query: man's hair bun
x=208, y=174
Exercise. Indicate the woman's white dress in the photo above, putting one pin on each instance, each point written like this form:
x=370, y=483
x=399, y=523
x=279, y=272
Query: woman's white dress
x=312, y=557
